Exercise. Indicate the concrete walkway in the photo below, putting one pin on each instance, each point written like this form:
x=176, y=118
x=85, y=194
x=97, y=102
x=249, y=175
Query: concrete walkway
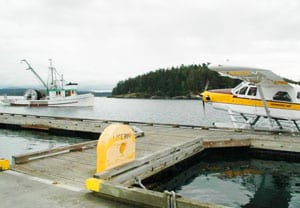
x=23, y=191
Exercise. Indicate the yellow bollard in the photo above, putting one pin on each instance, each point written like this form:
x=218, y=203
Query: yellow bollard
x=93, y=184
x=116, y=146
x=4, y=164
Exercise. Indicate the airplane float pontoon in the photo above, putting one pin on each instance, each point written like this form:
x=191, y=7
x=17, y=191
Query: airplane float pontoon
x=261, y=94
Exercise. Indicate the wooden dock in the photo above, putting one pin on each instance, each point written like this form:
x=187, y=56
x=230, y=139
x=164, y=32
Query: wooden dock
x=160, y=147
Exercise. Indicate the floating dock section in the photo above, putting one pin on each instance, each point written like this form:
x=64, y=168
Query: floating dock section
x=157, y=147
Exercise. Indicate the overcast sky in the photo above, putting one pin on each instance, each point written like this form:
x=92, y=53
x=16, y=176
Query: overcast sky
x=99, y=42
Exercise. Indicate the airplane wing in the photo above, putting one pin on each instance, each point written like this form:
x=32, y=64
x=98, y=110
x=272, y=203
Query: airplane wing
x=248, y=74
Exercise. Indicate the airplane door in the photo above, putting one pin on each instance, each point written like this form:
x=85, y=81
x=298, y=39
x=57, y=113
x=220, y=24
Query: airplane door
x=252, y=94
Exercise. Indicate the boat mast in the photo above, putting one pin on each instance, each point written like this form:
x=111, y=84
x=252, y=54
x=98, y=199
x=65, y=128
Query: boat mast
x=52, y=72
x=34, y=72
x=55, y=77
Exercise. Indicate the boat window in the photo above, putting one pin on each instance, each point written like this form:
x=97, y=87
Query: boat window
x=252, y=91
x=68, y=92
x=282, y=96
x=298, y=95
x=243, y=91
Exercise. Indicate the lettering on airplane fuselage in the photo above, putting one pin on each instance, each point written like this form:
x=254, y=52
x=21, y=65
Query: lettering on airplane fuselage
x=239, y=73
x=280, y=82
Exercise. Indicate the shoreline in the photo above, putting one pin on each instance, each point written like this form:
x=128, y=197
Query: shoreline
x=155, y=97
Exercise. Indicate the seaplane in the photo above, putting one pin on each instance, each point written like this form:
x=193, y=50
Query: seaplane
x=262, y=94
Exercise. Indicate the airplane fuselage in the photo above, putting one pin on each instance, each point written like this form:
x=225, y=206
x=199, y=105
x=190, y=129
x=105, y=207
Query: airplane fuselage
x=281, y=99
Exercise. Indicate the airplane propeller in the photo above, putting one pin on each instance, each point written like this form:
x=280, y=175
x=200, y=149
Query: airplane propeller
x=201, y=95
x=206, y=85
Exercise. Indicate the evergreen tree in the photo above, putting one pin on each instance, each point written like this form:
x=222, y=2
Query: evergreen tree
x=174, y=81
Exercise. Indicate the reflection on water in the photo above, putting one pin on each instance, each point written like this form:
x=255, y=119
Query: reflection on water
x=234, y=179
x=19, y=142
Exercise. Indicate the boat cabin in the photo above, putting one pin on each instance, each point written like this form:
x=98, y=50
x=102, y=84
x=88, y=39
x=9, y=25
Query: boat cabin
x=68, y=90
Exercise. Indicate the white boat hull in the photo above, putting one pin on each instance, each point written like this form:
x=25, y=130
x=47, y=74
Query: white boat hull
x=83, y=100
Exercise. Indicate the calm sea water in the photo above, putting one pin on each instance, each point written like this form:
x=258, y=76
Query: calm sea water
x=14, y=142
x=223, y=178
x=160, y=111
x=210, y=181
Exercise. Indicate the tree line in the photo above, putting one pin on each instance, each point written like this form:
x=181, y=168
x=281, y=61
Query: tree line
x=175, y=81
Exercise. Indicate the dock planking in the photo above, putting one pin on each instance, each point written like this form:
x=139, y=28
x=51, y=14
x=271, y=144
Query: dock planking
x=84, y=161
x=161, y=147
x=80, y=163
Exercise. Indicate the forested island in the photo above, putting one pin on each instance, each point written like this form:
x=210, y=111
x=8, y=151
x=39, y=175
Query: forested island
x=175, y=82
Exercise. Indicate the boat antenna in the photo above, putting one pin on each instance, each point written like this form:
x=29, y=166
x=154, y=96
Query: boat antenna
x=62, y=81
x=52, y=71
x=34, y=72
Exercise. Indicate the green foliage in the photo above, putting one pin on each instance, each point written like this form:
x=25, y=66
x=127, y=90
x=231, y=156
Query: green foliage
x=174, y=81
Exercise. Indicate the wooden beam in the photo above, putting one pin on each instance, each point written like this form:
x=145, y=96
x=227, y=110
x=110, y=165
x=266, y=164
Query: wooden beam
x=221, y=143
x=148, y=198
x=23, y=158
x=152, y=164
x=36, y=127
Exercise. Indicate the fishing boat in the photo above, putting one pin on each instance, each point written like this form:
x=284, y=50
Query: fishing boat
x=57, y=92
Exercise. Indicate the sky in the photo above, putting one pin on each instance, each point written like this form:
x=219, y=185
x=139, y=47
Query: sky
x=100, y=42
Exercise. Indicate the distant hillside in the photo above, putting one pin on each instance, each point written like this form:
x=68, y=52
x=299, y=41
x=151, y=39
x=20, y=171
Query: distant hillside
x=183, y=81
x=13, y=91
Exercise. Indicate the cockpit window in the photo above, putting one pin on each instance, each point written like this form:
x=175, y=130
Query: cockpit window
x=243, y=91
x=252, y=91
x=282, y=96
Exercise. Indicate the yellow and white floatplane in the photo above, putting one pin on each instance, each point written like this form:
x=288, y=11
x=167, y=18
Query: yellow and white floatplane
x=262, y=94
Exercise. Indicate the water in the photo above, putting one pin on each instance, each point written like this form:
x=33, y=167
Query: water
x=162, y=111
x=19, y=142
x=159, y=111
x=223, y=178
